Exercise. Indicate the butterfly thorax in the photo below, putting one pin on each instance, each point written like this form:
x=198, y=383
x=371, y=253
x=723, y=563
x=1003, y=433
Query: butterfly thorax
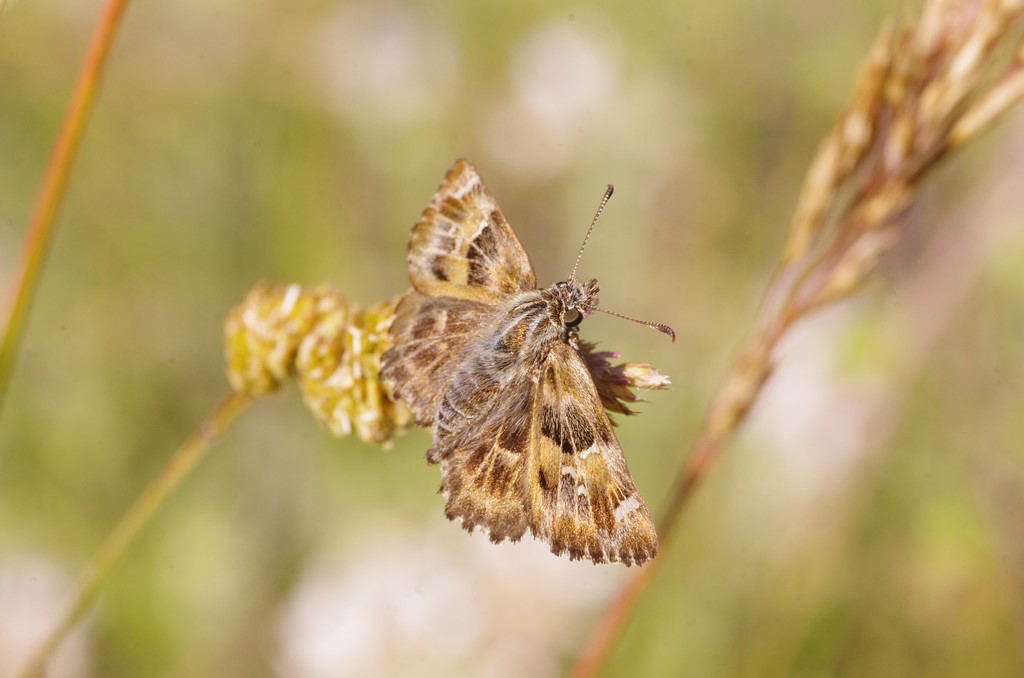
x=536, y=318
x=520, y=341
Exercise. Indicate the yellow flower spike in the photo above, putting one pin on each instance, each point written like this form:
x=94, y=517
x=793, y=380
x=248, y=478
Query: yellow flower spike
x=338, y=365
x=332, y=346
x=262, y=335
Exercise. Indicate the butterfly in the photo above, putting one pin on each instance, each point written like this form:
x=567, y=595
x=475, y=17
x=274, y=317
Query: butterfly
x=495, y=367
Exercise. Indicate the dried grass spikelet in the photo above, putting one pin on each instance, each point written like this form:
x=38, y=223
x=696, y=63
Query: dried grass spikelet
x=925, y=88
x=331, y=346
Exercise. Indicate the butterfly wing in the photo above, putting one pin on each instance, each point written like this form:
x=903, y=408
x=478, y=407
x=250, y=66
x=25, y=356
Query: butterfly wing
x=583, y=498
x=544, y=457
x=484, y=475
x=429, y=336
x=463, y=246
x=464, y=261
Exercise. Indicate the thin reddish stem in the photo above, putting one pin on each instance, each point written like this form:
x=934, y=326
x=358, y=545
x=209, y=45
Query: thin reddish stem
x=132, y=524
x=40, y=228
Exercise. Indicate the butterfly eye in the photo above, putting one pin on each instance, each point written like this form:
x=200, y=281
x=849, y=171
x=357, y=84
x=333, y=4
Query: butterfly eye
x=572, y=317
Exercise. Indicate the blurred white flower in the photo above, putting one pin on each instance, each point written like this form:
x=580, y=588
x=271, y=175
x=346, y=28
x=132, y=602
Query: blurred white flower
x=571, y=99
x=385, y=64
x=565, y=75
x=33, y=593
x=440, y=603
x=811, y=414
x=818, y=420
x=398, y=604
x=565, y=79
x=815, y=413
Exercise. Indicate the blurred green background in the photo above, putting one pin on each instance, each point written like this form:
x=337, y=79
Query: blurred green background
x=868, y=522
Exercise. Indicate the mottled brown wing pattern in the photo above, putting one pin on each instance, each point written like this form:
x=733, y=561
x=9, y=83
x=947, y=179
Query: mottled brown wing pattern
x=484, y=476
x=429, y=337
x=534, y=449
x=583, y=498
x=493, y=365
x=463, y=246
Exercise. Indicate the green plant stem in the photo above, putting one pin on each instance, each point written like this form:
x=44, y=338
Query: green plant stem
x=180, y=465
x=727, y=412
x=40, y=228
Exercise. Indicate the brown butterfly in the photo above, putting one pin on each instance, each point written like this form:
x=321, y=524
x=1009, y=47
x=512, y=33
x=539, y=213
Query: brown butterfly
x=495, y=366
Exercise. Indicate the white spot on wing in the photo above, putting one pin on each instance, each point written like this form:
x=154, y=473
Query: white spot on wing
x=479, y=229
x=625, y=507
x=467, y=187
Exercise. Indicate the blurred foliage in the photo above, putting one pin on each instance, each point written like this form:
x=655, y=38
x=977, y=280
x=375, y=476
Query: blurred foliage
x=867, y=523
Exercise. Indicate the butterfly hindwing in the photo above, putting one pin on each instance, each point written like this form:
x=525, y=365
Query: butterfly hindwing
x=463, y=246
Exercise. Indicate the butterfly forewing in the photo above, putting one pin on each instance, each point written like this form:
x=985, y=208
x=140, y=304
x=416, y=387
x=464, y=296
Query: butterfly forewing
x=484, y=468
x=463, y=246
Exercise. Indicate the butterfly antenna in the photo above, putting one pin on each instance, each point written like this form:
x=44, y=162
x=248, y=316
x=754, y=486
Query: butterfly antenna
x=600, y=208
x=664, y=329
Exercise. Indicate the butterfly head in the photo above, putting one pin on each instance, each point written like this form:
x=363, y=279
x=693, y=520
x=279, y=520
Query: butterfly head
x=578, y=300
x=573, y=301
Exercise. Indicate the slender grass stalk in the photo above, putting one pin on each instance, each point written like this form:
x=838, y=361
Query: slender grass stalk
x=180, y=465
x=734, y=398
x=332, y=347
x=925, y=89
x=40, y=228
